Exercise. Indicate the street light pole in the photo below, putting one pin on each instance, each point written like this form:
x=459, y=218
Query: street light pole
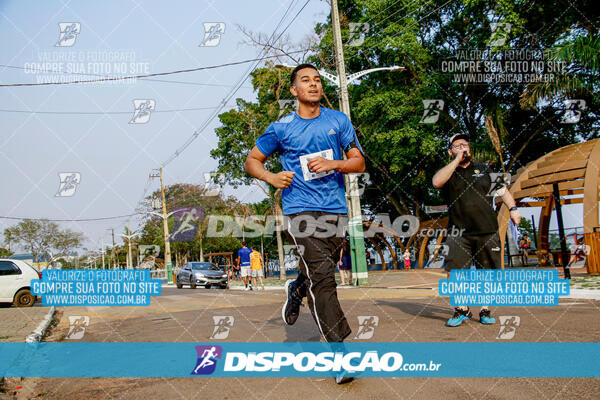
x=103, y=267
x=129, y=236
x=357, y=241
x=114, y=260
x=166, y=231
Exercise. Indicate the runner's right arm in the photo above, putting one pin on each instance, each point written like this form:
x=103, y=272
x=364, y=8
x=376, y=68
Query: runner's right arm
x=255, y=166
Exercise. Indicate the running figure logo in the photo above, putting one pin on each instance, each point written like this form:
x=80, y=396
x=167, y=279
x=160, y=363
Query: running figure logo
x=435, y=209
x=68, y=183
x=212, y=34
x=207, y=359
x=358, y=183
x=431, y=114
x=366, y=326
x=292, y=254
x=357, y=33
x=77, y=325
x=508, y=326
x=223, y=324
x=186, y=224
x=142, y=110
x=68, y=33
x=287, y=104
x=573, y=109
x=499, y=180
x=500, y=31
x=211, y=184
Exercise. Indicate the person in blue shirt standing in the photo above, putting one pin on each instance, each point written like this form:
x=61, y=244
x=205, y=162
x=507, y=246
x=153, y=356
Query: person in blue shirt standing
x=310, y=142
x=243, y=262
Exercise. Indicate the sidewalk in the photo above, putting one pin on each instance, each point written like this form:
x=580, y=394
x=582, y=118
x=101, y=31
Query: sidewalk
x=17, y=323
x=583, y=286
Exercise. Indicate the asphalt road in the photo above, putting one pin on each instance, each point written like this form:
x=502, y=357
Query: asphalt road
x=406, y=314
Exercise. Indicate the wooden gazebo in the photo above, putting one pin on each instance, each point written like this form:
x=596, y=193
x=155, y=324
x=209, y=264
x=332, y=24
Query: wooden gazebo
x=419, y=240
x=568, y=171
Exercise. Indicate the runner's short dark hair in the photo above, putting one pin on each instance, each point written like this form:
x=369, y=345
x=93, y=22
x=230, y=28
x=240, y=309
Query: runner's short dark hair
x=298, y=68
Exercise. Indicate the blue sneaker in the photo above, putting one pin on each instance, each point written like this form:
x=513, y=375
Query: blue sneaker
x=486, y=318
x=459, y=317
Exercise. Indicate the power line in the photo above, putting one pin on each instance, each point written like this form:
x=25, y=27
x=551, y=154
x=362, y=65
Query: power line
x=103, y=112
x=105, y=75
x=404, y=29
x=119, y=78
x=234, y=90
x=222, y=104
x=71, y=220
x=391, y=15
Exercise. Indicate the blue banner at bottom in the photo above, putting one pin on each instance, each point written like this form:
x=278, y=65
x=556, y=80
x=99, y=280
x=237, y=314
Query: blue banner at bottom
x=299, y=359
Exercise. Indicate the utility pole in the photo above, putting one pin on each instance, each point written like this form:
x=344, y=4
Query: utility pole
x=103, y=266
x=357, y=241
x=166, y=231
x=129, y=260
x=113, y=248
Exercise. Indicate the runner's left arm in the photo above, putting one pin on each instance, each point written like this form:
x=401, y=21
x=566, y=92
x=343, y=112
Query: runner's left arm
x=508, y=199
x=355, y=162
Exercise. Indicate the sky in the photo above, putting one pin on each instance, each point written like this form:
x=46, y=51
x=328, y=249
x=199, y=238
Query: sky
x=112, y=156
x=87, y=129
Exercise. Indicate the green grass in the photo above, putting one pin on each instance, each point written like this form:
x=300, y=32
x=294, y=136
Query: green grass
x=586, y=282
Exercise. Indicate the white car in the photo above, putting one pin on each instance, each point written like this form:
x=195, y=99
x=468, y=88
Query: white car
x=15, y=282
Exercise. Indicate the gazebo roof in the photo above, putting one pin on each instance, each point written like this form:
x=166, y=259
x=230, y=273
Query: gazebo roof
x=570, y=166
x=574, y=169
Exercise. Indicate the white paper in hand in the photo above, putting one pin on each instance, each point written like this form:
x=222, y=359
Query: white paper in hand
x=310, y=175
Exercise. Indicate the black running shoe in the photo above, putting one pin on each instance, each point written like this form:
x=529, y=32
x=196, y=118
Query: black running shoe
x=343, y=377
x=291, y=307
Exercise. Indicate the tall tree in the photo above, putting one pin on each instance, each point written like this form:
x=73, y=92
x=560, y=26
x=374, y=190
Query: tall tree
x=44, y=238
x=188, y=195
x=387, y=107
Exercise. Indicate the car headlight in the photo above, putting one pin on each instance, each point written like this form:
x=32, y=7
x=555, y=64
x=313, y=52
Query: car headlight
x=199, y=275
x=224, y=276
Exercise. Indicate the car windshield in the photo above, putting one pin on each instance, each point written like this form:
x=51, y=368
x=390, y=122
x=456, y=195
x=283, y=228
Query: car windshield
x=204, y=266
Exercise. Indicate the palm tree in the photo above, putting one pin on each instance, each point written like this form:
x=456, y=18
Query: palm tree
x=582, y=56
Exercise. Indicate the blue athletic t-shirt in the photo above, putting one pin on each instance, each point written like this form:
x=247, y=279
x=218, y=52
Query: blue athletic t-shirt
x=293, y=137
x=244, y=255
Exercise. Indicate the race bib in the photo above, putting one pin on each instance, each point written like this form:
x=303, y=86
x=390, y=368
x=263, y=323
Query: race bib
x=308, y=174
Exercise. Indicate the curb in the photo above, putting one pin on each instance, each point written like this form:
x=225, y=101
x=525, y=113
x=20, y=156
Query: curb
x=584, y=294
x=36, y=335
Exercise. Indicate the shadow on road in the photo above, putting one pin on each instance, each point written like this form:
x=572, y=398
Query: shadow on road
x=420, y=309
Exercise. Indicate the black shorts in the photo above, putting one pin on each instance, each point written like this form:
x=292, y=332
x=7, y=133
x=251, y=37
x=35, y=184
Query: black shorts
x=482, y=251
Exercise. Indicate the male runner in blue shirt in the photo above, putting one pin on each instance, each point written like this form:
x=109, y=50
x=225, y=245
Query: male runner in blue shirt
x=243, y=263
x=313, y=188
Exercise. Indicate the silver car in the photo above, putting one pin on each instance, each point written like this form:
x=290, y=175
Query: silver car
x=201, y=274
